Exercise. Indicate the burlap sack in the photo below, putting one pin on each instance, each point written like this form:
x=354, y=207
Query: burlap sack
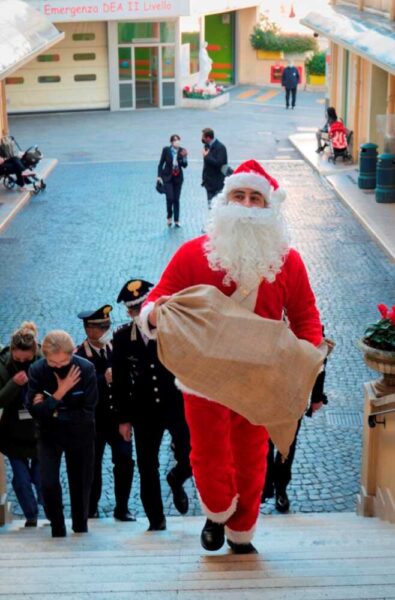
x=255, y=366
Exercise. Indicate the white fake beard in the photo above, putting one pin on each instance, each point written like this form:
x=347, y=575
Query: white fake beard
x=249, y=244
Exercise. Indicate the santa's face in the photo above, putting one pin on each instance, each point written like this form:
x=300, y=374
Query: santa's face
x=247, y=197
x=247, y=237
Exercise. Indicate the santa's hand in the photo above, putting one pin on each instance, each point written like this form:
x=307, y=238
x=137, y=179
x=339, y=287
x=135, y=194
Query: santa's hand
x=125, y=431
x=152, y=317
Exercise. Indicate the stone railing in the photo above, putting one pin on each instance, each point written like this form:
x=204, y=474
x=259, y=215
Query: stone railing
x=377, y=495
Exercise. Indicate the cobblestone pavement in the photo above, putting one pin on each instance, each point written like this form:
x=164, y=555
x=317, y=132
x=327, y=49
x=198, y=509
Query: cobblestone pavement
x=98, y=224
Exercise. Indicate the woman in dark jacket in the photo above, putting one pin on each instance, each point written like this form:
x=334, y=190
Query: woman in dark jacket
x=172, y=161
x=17, y=428
x=62, y=396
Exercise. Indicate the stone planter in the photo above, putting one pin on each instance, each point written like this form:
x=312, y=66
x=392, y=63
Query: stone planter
x=205, y=103
x=382, y=361
x=269, y=55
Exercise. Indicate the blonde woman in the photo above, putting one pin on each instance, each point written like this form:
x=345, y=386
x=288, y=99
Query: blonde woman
x=62, y=396
x=17, y=429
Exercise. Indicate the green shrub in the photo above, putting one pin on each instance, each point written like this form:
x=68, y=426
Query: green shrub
x=316, y=64
x=289, y=43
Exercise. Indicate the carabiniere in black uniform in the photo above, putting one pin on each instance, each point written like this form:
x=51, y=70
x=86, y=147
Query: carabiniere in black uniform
x=97, y=348
x=146, y=397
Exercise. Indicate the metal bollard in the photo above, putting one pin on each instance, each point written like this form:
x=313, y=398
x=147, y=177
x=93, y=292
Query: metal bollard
x=367, y=166
x=385, y=188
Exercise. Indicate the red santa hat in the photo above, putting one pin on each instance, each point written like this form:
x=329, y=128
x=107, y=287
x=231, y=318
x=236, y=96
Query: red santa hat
x=250, y=174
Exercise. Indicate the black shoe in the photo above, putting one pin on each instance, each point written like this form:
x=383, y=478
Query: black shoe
x=282, y=502
x=31, y=523
x=180, y=498
x=242, y=548
x=319, y=150
x=59, y=531
x=94, y=514
x=125, y=516
x=267, y=493
x=177, y=224
x=81, y=527
x=213, y=536
x=161, y=526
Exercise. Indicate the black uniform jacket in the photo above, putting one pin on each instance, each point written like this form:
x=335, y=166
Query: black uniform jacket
x=165, y=166
x=142, y=386
x=212, y=177
x=75, y=413
x=105, y=406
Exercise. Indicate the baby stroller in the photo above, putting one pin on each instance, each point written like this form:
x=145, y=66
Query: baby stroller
x=11, y=152
x=339, y=139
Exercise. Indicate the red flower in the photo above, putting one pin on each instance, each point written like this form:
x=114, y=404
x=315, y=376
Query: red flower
x=383, y=310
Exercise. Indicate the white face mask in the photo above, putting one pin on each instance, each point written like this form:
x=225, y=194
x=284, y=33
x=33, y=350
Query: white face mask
x=106, y=337
x=176, y=143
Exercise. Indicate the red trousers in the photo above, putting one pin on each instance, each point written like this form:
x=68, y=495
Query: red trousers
x=228, y=459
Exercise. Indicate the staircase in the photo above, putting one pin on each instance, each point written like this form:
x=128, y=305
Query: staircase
x=302, y=557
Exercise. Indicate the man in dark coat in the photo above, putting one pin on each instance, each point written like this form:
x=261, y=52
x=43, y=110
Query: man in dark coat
x=215, y=160
x=62, y=396
x=97, y=348
x=289, y=80
x=148, y=400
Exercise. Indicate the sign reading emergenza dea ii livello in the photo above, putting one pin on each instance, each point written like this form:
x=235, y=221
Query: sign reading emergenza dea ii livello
x=107, y=10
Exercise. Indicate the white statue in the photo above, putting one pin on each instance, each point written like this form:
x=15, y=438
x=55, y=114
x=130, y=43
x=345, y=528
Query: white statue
x=205, y=65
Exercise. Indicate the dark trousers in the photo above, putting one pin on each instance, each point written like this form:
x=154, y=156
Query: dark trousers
x=173, y=193
x=211, y=193
x=26, y=477
x=148, y=433
x=292, y=92
x=121, y=454
x=279, y=472
x=79, y=464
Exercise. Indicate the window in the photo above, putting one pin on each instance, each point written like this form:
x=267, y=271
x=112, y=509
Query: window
x=168, y=66
x=83, y=37
x=14, y=80
x=49, y=79
x=193, y=39
x=125, y=63
x=138, y=32
x=168, y=93
x=84, y=56
x=87, y=77
x=125, y=95
x=48, y=58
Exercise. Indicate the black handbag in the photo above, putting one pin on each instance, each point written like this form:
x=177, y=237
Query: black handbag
x=160, y=187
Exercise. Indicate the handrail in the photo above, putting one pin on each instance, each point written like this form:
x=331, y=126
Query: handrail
x=372, y=420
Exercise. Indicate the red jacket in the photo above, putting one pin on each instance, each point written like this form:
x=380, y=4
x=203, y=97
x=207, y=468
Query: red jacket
x=290, y=291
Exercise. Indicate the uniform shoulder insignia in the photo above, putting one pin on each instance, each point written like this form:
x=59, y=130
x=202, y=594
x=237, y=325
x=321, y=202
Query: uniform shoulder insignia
x=122, y=327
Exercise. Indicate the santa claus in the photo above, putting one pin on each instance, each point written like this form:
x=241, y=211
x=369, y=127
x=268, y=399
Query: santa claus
x=246, y=247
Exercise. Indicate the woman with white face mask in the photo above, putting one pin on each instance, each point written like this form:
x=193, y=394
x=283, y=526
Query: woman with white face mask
x=97, y=348
x=170, y=173
x=62, y=395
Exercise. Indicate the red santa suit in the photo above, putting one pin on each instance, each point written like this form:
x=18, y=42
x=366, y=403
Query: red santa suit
x=228, y=454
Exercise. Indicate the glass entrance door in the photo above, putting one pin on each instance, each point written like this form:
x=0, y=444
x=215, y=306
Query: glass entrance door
x=146, y=69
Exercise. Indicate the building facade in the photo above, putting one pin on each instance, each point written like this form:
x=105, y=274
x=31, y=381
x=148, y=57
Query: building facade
x=362, y=66
x=130, y=54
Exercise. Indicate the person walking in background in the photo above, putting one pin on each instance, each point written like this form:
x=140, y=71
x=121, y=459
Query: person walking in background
x=289, y=80
x=170, y=173
x=149, y=401
x=97, y=348
x=215, y=162
x=62, y=396
x=18, y=439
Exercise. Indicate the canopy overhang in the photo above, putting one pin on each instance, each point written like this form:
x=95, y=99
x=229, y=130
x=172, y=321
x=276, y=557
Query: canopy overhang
x=370, y=36
x=24, y=33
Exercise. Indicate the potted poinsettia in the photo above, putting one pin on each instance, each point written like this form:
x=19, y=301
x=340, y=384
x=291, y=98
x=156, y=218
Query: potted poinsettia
x=378, y=346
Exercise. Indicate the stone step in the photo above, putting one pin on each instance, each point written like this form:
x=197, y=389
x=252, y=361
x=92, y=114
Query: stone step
x=303, y=557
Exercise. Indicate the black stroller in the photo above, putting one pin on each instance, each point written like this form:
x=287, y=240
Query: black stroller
x=13, y=157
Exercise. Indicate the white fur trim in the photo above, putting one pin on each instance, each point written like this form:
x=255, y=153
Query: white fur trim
x=187, y=390
x=219, y=517
x=240, y=537
x=255, y=182
x=144, y=313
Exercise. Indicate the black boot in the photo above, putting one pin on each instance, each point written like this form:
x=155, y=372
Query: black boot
x=159, y=526
x=58, y=530
x=242, y=548
x=124, y=515
x=213, y=536
x=180, y=498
